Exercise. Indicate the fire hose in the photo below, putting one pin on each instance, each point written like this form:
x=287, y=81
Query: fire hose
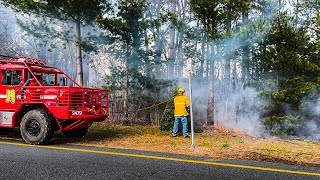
x=142, y=109
x=149, y=107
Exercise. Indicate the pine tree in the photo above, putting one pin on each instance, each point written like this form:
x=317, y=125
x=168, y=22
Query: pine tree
x=290, y=73
x=77, y=11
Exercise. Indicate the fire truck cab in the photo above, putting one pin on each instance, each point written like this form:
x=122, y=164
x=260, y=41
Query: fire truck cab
x=41, y=99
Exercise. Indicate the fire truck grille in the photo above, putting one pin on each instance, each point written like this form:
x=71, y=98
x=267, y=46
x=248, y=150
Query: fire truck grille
x=76, y=100
x=73, y=98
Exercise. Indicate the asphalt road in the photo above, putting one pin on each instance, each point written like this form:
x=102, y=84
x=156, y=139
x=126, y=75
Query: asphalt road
x=63, y=161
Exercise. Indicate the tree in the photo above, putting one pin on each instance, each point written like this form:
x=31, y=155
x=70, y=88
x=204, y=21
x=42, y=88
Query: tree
x=218, y=18
x=8, y=42
x=208, y=14
x=291, y=74
x=127, y=25
x=77, y=11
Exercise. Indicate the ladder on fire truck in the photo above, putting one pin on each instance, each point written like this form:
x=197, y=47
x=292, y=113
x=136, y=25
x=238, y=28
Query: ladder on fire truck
x=29, y=61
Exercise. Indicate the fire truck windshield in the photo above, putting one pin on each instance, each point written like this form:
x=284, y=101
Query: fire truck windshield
x=49, y=78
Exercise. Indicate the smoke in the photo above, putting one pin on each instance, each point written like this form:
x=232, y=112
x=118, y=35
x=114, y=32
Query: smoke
x=241, y=111
x=236, y=106
x=9, y=32
x=199, y=100
x=310, y=127
x=313, y=129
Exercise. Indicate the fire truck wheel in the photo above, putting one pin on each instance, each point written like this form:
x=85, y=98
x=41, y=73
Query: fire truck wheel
x=36, y=127
x=75, y=133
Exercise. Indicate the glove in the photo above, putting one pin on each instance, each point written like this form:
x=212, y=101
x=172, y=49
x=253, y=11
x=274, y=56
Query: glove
x=188, y=109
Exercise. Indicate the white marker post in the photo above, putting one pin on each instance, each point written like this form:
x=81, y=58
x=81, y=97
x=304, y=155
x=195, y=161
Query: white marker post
x=189, y=68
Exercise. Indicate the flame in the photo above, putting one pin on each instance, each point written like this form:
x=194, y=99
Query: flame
x=238, y=132
x=225, y=129
x=220, y=127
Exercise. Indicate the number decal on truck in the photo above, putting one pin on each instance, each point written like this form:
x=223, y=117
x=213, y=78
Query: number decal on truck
x=11, y=96
x=76, y=113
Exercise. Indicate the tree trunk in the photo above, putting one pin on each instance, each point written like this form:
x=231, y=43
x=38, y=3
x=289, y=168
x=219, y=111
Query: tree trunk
x=279, y=8
x=70, y=68
x=234, y=91
x=148, y=72
x=172, y=52
x=297, y=14
x=79, y=54
x=146, y=57
x=227, y=76
x=227, y=71
x=211, y=108
x=158, y=51
x=126, y=88
x=202, y=56
x=208, y=61
x=179, y=59
x=245, y=57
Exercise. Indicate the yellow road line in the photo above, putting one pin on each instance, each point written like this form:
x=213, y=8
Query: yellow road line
x=166, y=159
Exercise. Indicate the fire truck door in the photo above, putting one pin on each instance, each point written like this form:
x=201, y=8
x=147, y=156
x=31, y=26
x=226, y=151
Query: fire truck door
x=10, y=86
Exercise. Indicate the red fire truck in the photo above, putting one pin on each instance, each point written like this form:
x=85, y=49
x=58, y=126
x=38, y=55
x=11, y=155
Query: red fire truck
x=40, y=99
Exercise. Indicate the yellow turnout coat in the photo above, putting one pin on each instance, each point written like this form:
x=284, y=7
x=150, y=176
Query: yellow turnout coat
x=181, y=103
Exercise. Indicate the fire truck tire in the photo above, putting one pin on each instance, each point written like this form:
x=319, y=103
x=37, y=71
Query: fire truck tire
x=76, y=133
x=36, y=127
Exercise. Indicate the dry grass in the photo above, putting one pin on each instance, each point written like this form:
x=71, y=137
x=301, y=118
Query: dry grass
x=211, y=143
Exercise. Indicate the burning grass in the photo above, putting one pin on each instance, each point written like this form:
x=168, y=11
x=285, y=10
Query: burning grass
x=212, y=143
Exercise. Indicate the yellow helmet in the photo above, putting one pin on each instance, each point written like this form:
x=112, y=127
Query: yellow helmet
x=181, y=90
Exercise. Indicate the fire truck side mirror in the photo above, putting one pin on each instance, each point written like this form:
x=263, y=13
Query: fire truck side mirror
x=30, y=82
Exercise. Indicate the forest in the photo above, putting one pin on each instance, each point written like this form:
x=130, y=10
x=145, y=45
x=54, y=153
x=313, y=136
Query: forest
x=255, y=63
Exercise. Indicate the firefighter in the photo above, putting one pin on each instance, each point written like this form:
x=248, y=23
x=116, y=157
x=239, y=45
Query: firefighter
x=181, y=111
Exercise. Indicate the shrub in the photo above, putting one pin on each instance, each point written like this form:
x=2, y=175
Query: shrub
x=167, y=120
x=283, y=125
